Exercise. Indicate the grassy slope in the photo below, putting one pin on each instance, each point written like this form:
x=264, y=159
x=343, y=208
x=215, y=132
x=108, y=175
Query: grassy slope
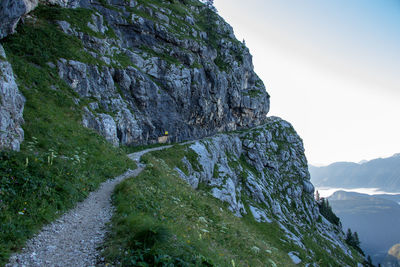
x=161, y=220
x=60, y=160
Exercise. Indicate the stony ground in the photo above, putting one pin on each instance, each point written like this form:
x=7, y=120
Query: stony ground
x=73, y=239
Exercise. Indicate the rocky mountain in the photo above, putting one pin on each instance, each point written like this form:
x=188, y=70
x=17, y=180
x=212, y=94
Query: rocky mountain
x=263, y=173
x=382, y=173
x=131, y=72
x=146, y=67
x=375, y=218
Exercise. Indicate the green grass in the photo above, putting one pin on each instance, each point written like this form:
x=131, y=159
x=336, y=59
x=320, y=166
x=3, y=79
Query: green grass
x=165, y=56
x=133, y=149
x=78, y=17
x=60, y=160
x=41, y=41
x=174, y=155
x=161, y=220
x=253, y=93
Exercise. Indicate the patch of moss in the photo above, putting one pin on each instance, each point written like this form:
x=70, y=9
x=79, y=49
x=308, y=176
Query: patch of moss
x=123, y=60
x=174, y=156
x=41, y=41
x=78, y=17
x=216, y=171
x=253, y=93
x=222, y=64
x=165, y=56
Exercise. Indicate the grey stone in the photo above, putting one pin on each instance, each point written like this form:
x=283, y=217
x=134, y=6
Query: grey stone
x=308, y=187
x=11, y=12
x=104, y=124
x=294, y=257
x=11, y=107
x=259, y=215
x=62, y=3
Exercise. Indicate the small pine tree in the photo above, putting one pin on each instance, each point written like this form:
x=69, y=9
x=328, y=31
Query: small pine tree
x=356, y=239
x=349, y=237
x=326, y=211
x=210, y=5
x=317, y=196
x=353, y=241
x=369, y=260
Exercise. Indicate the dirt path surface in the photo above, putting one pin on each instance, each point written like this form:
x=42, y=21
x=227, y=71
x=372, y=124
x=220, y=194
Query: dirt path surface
x=72, y=240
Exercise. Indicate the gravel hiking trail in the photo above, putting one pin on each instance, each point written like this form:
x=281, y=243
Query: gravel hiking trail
x=73, y=239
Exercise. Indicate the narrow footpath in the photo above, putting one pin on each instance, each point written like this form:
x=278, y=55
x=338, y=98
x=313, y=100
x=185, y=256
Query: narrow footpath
x=73, y=239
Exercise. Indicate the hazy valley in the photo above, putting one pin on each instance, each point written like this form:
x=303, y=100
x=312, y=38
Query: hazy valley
x=356, y=192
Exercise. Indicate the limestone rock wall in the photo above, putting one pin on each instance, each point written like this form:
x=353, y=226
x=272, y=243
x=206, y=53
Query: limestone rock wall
x=155, y=67
x=158, y=70
x=11, y=107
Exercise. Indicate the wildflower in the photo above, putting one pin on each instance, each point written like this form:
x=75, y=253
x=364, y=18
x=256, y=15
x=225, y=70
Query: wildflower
x=202, y=219
x=20, y=213
x=255, y=249
x=272, y=263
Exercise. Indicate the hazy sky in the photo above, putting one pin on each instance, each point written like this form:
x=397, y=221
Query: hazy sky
x=332, y=68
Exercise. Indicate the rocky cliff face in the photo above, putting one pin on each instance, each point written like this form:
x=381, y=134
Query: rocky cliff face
x=176, y=78
x=263, y=172
x=157, y=66
x=11, y=107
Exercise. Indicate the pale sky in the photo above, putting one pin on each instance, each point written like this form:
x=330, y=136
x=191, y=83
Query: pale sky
x=332, y=68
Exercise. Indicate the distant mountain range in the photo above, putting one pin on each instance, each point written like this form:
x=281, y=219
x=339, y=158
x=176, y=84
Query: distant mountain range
x=375, y=218
x=382, y=173
x=393, y=257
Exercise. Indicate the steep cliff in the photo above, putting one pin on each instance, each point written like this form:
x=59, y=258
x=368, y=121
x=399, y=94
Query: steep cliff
x=146, y=67
x=11, y=107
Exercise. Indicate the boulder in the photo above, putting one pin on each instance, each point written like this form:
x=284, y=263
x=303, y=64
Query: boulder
x=11, y=12
x=11, y=107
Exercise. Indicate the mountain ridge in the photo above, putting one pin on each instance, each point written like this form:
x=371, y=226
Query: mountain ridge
x=382, y=173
